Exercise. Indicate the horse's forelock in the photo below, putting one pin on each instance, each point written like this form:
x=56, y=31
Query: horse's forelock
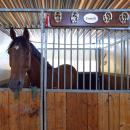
x=18, y=40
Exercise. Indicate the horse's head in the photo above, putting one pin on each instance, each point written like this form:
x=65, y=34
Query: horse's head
x=19, y=59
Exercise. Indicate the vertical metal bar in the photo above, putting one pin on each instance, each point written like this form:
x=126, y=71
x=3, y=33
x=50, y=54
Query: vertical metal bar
x=102, y=59
x=109, y=60
x=124, y=65
x=59, y=59
x=96, y=59
x=43, y=90
x=115, y=59
x=121, y=61
x=77, y=56
x=83, y=59
x=65, y=59
x=71, y=58
x=90, y=60
x=53, y=53
x=127, y=60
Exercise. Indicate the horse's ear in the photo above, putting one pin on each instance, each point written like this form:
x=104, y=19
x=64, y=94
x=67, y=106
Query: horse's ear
x=26, y=33
x=12, y=33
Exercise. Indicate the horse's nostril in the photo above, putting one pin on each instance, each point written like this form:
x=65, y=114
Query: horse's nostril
x=19, y=83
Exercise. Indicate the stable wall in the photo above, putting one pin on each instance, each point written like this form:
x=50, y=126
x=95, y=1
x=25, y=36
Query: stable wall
x=66, y=111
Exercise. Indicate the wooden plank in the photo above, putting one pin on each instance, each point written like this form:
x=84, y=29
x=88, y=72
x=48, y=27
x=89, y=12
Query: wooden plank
x=14, y=115
x=5, y=104
x=38, y=107
x=83, y=111
x=92, y=111
x=34, y=110
x=51, y=111
x=60, y=109
x=103, y=122
x=114, y=111
x=72, y=116
x=79, y=111
x=124, y=111
x=1, y=110
x=24, y=110
x=65, y=22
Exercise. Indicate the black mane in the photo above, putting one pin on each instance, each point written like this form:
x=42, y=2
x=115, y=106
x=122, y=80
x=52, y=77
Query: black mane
x=35, y=52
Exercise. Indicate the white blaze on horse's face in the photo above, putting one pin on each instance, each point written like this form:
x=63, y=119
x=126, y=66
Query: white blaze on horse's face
x=16, y=47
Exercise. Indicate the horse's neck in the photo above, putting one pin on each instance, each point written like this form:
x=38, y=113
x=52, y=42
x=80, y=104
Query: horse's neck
x=34, y=72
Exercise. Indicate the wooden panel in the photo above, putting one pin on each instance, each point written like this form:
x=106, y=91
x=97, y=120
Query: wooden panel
x=71, y=111
x=4, y=110
x=66, y=20
x=124, y=111
x=24, y=110
x=60, y=109
x=72, y=115
x=14, y=115
x=77, y=114
x=19, y=114
x=83, y=111
x=51, y=111
x=103, y=121
x=5, y=102
x=1, y=109
x=34, y=110
x=114, y=111
x=92, y=111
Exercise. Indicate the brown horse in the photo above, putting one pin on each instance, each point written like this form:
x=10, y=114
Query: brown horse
x=24, y=59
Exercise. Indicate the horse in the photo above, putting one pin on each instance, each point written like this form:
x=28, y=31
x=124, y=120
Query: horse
x=25, y=59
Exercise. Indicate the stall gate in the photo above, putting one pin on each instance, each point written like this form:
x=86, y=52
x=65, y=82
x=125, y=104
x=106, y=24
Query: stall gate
x=84, y=74
x=89, y=55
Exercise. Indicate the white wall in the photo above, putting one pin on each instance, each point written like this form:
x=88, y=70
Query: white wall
x=4, y=60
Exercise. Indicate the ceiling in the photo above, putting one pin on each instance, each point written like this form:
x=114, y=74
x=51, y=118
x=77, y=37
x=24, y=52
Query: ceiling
x=31, y=20
x=71, y=4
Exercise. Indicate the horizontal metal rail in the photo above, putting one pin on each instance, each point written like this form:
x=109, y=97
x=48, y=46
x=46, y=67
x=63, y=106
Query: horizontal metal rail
x=71, y=90
x=64, y=10
x=88, y=91
x=23, y=90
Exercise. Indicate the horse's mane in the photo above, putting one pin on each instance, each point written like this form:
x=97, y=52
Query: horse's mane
x=35, y=52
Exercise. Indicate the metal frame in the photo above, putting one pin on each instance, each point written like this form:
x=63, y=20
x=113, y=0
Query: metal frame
x=44, y=49
x=39, y=10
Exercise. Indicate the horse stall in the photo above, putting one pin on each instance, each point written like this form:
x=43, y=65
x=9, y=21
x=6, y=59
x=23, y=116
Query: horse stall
x=84, y=71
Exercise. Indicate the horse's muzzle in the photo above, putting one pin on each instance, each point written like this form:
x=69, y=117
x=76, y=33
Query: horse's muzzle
x=15, y=85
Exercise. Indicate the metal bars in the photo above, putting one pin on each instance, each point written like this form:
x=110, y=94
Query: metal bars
x=71, y=40
x=65, y=59
x=77, y=47
x=97, y=59
x=122, y=63
x=83, y=58
x=109, y=59
x=90, y=59
x=42, y=83
x=77, y=57
x=102, y=49
x=87, y=71
x=58, y=58
x=115, y=51
x=127, y=41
